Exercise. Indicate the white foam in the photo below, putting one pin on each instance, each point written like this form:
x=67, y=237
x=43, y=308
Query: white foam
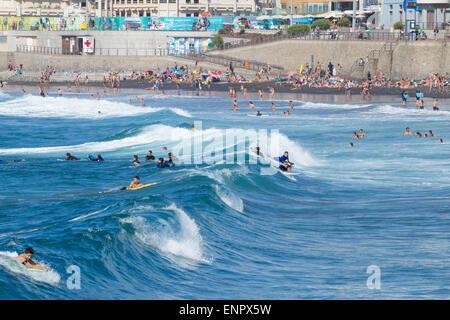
x=183, y=242
x=408, y=111
x=229, y=198
x=61, y=107
x=179, y=140
x=90, y=214
x=180, y=112
x=9, y=261
x=322, y=105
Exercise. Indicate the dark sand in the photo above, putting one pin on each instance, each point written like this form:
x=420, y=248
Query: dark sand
x=251, y=87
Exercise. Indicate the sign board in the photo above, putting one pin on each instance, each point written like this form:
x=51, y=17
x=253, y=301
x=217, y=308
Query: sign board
x=88, y=44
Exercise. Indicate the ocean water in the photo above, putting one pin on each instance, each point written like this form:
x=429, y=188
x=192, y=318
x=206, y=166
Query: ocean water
x=225, y=225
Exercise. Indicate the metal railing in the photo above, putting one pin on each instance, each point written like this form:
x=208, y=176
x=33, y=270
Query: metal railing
x=38, y=49
x=236, y=63
x=98, y=51
x=322, y=35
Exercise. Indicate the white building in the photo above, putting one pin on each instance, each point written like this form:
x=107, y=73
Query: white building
x=125, y=8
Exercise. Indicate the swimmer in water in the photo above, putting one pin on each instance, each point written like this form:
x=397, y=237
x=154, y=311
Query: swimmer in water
x=170, y=163
x=355, y=136
x=286, y=113
x=361, y=134
x=149, y=156
x=350, y=144
x=273, y=107
x=70, y=157
x=193, y=127
x=161, y=163
x=257, y=150
x=99, y=158
x=291, y=105
x=407, y=132
x=135, y=183
x=258, y=113
x=235, y=105
x=418, y=134
x=431, y=134
x=25, y=259
x=251, y=105
x=440, y=140
x=136, y=161
x=435, y=105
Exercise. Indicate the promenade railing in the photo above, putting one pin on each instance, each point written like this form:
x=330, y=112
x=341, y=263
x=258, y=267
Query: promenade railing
x=97, y=52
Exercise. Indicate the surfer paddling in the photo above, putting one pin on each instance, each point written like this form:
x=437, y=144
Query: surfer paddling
x=25, y=259
x=134, y=184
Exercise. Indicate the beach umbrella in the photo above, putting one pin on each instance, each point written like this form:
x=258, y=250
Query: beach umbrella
x=148, y=70
x=214, y=74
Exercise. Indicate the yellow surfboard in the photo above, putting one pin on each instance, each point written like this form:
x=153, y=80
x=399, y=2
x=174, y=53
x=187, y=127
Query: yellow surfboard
x=144, y=186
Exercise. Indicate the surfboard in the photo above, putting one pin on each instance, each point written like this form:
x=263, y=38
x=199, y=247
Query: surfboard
x=144, y=186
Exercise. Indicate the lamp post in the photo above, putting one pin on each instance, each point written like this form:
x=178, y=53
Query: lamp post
x=292, y=13
x=353, y=19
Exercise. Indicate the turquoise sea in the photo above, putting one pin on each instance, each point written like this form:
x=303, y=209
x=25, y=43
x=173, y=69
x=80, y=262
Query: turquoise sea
x=222, y=223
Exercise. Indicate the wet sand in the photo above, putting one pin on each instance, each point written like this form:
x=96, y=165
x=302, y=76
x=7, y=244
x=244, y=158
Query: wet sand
x=225, y=86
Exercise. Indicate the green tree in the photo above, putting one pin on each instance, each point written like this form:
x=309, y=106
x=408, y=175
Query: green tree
x=299, y=29
x=218, y=41
x=323, y=24
x=344, y=22
x=398, y=25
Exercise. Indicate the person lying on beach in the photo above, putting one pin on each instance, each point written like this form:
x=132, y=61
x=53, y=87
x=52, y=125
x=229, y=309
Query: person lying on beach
x=25, y=259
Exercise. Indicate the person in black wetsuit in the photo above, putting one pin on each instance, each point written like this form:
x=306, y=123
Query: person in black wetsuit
x=70, y=157
x=170, y=163
x=161, y=163
x=150, y=156
x=99, y=158
x=25, y=259
x=136, y=161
